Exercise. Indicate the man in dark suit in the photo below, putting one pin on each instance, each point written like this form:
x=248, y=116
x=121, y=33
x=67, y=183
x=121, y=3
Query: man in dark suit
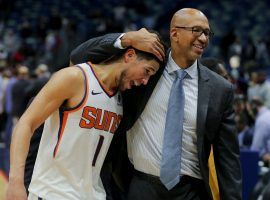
x=208, y=116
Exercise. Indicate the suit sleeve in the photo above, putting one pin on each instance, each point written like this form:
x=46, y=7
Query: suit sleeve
x=95, y=49
x=226, y=153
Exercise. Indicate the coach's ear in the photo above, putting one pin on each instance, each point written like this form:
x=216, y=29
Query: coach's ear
x=174, y=34
x=130, y=55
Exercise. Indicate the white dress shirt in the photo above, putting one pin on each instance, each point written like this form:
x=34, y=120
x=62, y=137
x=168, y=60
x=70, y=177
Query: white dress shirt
x=145, y=138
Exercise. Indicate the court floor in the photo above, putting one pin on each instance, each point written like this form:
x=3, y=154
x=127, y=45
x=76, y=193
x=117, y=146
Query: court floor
x=3, y=185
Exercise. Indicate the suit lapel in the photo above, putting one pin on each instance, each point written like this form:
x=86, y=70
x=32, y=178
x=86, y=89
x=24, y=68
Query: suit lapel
x=204, y=90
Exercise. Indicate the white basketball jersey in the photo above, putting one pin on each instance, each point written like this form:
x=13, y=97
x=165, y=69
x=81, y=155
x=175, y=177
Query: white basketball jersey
x=74, y=144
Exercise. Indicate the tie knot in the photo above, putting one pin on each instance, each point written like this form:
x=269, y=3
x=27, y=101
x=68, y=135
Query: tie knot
x=181, y=74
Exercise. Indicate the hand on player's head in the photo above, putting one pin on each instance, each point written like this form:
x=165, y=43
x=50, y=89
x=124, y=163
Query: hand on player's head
x=145, y=41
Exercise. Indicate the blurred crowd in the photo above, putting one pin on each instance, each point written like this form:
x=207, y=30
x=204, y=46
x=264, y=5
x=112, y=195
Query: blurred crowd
x=36, y=44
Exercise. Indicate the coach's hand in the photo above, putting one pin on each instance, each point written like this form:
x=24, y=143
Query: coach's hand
x=16, y=191
x=145, y=41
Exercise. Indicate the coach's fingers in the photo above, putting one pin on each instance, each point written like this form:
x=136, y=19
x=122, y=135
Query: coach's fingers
x=160, y=48
x=156, y=52
x=144, y=41
x=161, y=45
x=157, y=49
x=155, y=45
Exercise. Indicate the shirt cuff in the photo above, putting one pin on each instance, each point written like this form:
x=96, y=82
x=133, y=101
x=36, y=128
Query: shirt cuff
x=117, y=43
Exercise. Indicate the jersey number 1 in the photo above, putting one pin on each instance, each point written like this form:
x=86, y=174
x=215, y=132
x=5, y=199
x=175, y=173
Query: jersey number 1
x=99, y=145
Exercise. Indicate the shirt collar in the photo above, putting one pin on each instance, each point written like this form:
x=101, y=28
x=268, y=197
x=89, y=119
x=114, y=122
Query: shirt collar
x=192, y=71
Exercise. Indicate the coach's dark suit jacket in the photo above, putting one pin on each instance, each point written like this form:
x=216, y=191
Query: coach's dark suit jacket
x=215, y=120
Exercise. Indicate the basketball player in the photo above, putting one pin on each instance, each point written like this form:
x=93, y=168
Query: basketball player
x=82, y=108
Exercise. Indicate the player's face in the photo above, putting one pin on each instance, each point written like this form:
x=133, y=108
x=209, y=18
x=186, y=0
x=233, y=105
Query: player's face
x=138, y=73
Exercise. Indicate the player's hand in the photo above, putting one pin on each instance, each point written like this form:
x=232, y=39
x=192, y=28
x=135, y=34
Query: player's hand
x=16, y=191
x=144, y=41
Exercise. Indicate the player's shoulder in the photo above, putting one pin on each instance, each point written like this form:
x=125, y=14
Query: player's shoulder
x=66, y=80
x=71, y=74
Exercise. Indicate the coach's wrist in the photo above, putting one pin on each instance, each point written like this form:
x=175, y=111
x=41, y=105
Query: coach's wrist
x=126, y=39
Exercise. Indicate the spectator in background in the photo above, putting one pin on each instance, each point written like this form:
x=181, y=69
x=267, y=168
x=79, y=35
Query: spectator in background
x=216, y=65
x=11, y=41
x=3, y=62
x=244, y=121
x=1, y=103
x=259, y=88
x=245, y=133
x=8, y=106
x=4, y=78
x=248, y=52
x=10, y=81
x=262, y=55
x=235, y=49
x=261, y=139
x=3, y=56
x=42, y=76
x=18, y=98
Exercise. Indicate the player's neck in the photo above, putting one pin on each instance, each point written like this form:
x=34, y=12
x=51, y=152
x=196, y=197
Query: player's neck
x=108, y=74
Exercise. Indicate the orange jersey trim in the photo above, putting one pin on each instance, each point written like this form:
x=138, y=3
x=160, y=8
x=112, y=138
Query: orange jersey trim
x=86, y=93
x=64, y=117
x=102, y=85
x=60, y=133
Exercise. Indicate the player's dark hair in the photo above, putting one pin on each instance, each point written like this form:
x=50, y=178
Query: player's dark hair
x=146, y=56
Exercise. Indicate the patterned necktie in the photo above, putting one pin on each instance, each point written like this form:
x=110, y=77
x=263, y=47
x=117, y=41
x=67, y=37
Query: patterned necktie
x=172, y=142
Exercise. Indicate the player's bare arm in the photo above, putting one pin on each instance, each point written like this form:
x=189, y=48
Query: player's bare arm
x=67, y=84
x=145, y=41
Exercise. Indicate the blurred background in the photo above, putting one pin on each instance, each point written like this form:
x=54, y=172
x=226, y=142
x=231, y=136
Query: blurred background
x=37, y=36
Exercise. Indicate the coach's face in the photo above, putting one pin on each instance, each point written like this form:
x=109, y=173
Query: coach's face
x=137, y=72
x=189, y=35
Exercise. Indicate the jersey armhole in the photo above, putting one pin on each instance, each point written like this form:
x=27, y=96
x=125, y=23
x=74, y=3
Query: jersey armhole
x=83, y=101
